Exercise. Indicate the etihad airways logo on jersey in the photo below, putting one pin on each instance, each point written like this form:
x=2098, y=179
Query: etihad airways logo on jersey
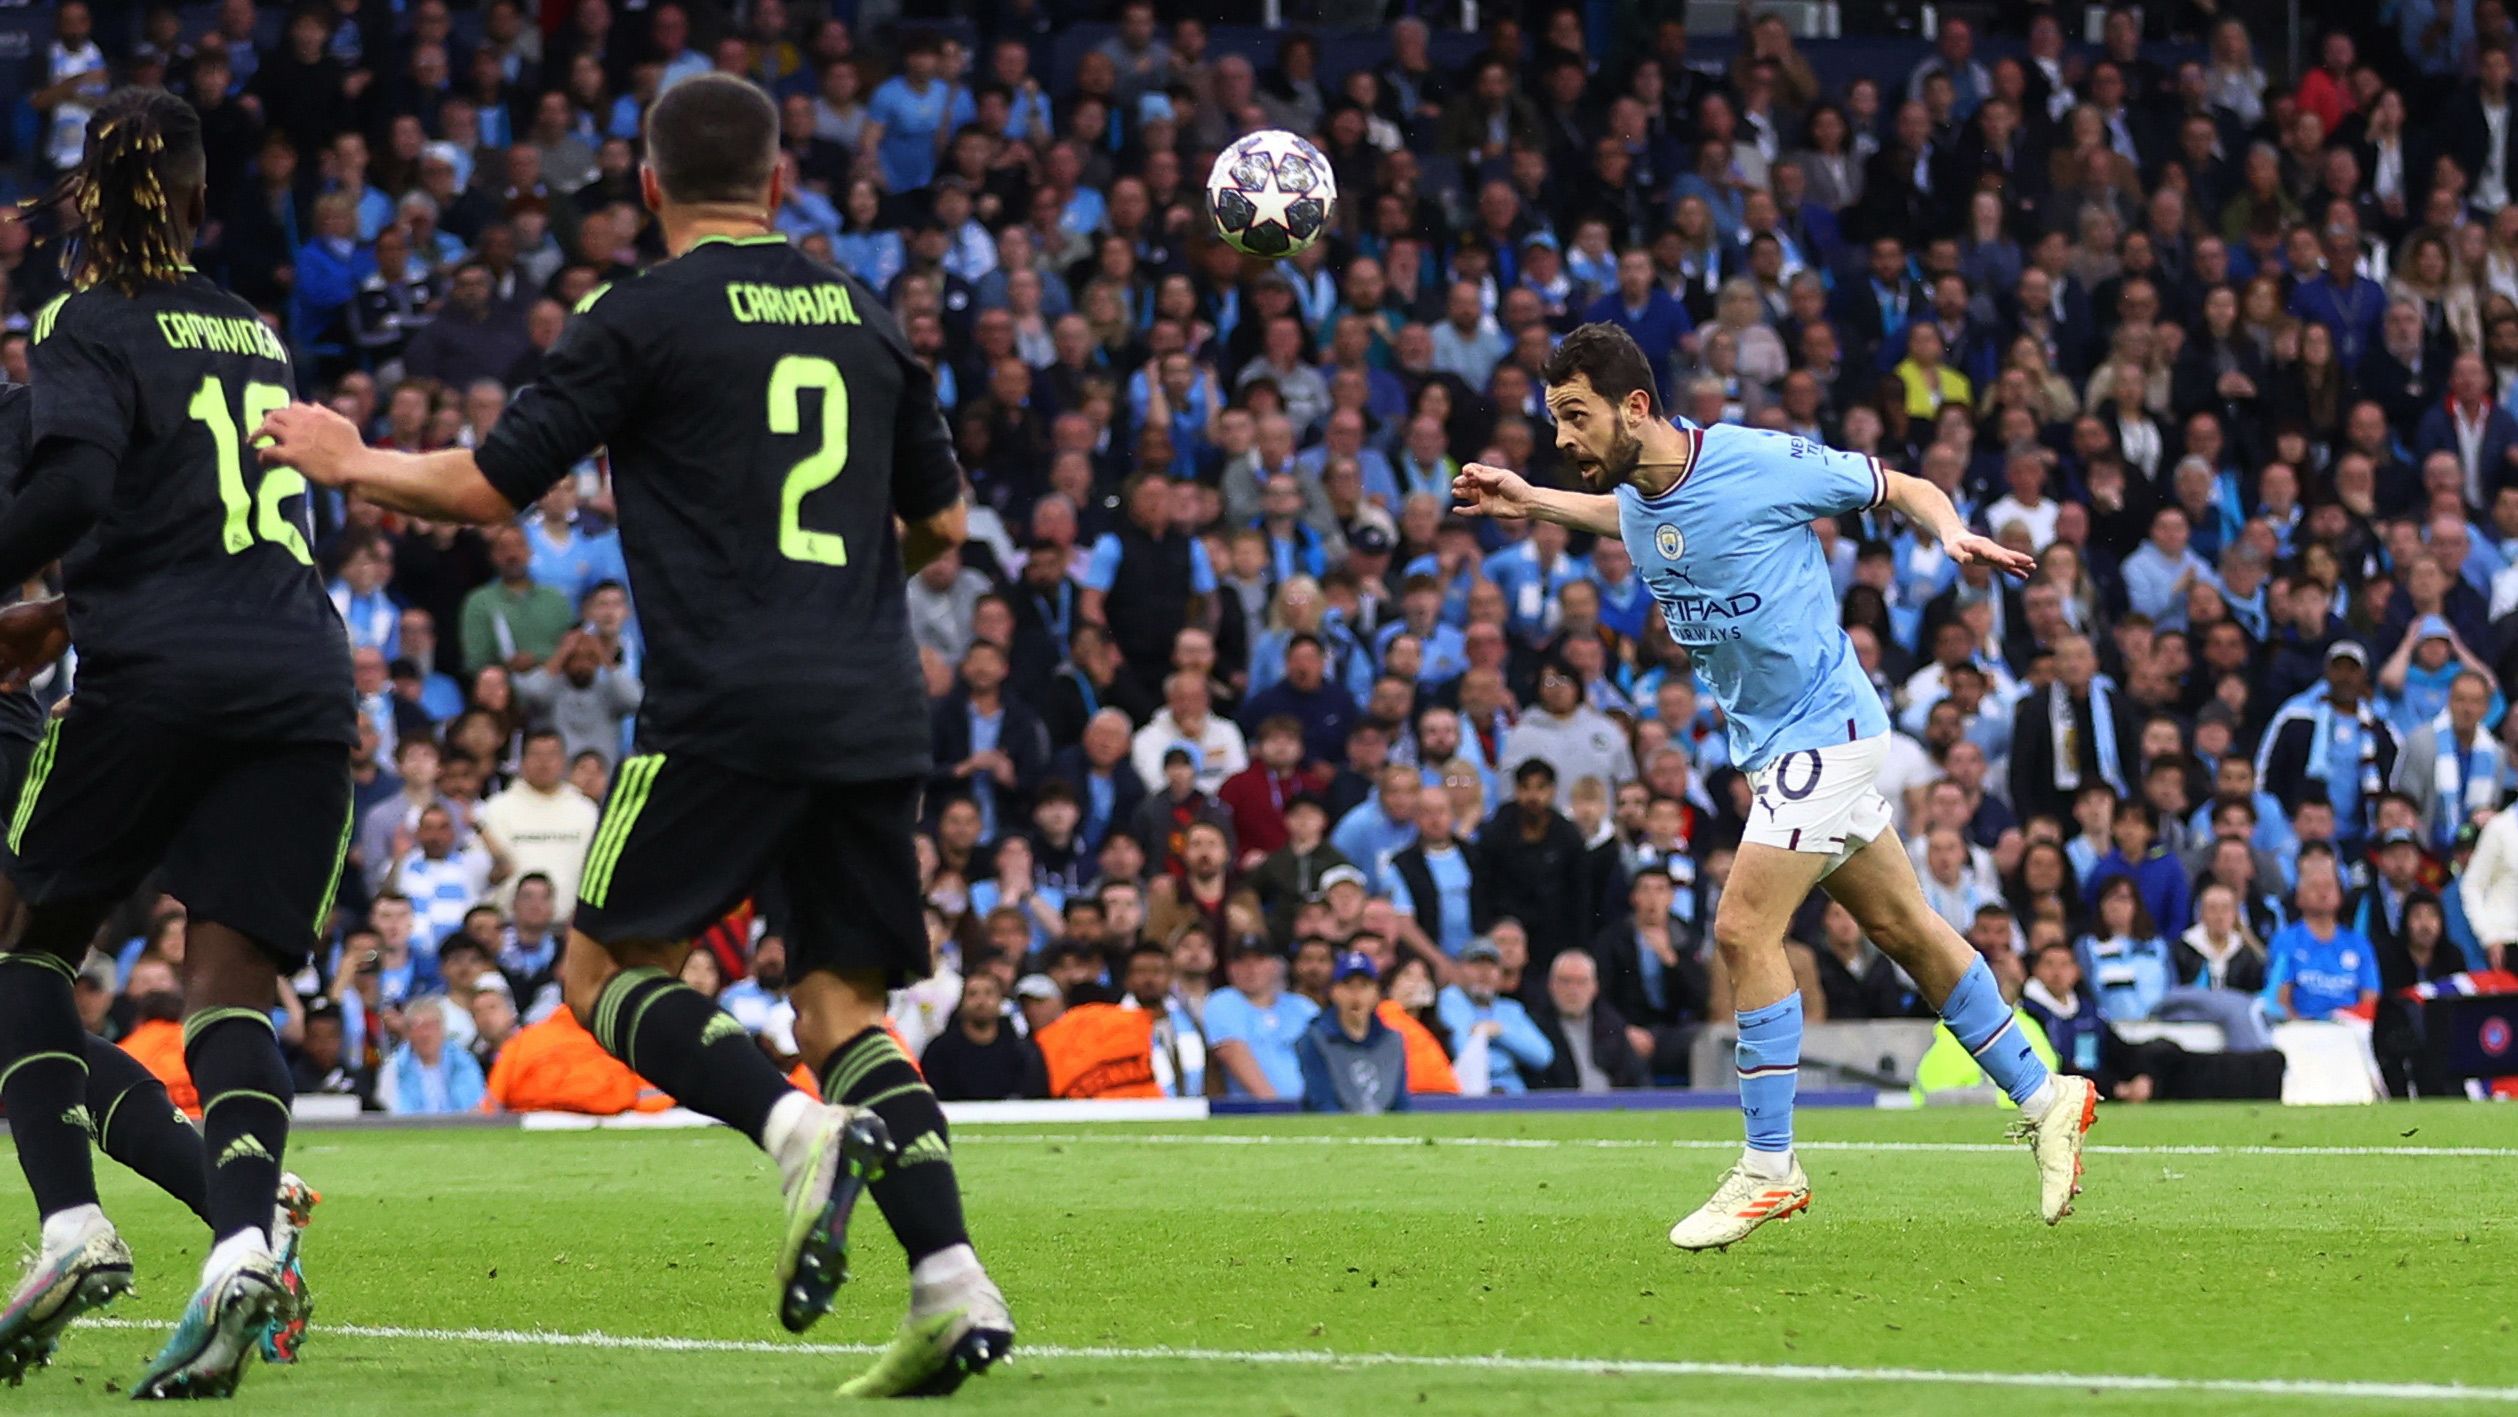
x=1706, y=619
x=826, y=304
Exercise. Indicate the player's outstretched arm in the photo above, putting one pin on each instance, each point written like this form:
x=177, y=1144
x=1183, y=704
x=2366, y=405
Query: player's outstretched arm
x=1927, y=506
x=1505, y=495
x=923, y=540
x=441, y=486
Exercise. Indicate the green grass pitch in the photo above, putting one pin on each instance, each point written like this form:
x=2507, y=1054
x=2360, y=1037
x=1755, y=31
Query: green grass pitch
x=1496, y=1264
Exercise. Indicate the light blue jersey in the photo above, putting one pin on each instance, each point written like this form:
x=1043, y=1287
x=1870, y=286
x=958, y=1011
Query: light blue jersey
x=1730, y=556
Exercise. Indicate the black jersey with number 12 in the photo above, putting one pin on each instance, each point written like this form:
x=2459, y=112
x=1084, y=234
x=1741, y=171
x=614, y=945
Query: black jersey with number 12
x=195, y=600
x=765, y=421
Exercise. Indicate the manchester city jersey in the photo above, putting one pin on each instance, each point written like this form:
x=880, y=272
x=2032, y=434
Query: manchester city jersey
x=1731, y=558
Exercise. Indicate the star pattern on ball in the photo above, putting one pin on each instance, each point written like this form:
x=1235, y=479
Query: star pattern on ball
x=1268, y=204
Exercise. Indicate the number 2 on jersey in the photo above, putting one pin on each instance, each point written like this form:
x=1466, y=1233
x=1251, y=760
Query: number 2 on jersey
x=788, y=382
x=257, y=511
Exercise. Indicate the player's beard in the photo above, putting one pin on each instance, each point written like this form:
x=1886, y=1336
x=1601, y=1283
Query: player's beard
x=1611, y=469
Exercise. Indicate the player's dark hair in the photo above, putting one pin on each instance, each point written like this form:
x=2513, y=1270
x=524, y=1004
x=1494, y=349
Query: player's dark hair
x=1608, y=357
x=713, y=138
x=128, y=204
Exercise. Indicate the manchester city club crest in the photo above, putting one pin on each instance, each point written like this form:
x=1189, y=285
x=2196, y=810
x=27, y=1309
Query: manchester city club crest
x=1668, y=541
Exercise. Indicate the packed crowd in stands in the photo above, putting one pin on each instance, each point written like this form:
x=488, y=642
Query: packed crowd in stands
x=1252, y=761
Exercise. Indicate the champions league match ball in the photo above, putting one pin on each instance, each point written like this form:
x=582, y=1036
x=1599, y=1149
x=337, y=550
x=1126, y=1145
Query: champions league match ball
x=1271, y=194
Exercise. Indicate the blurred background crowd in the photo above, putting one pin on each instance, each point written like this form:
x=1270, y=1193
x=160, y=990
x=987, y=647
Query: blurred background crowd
x=1252, y=761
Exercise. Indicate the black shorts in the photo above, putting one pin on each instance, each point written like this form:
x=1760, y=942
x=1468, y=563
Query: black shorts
x=252, y=835
x=684, y=841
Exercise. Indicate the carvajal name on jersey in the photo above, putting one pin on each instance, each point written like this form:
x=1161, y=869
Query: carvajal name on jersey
x=220, y=334
x=827, y=304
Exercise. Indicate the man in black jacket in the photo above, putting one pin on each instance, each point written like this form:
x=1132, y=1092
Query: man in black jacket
x=1593, y=1050
x=1651, y=976
x=1105, y=781
x=2096, y=745
x=1527, y=866
x=1091, y=681
x=988, y=743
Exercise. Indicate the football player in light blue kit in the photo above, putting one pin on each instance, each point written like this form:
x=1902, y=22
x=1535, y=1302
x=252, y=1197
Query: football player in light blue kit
x=1718, y=522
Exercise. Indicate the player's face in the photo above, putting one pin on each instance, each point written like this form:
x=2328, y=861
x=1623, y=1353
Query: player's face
x=1592, y=435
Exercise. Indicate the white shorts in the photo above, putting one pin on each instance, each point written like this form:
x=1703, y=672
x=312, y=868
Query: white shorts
x=1825, y=801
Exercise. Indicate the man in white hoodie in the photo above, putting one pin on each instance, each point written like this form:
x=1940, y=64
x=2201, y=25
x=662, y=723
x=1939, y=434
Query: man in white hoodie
x=2489, y=889
x=1187, y=720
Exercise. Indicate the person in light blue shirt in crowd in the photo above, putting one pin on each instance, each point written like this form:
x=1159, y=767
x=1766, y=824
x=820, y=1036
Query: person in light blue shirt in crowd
x=1252, y=1025
x=2317, y=966
x=1472, y=1010
x=874, y=253
x=1430, y=881
x=2123, y=956
x=907, y=113
x=424, y=1077
x=803, y=212
x=669, y=34
x=1381, y=826
x=2413, y=684
x=1625, y=600
x=1444, y=651
x=367, y=607
x=1530, y=573
x=2157, y=573
x=567, y=556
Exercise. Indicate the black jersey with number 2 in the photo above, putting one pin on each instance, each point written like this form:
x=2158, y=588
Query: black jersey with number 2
x=194, y=601
x=765, y=422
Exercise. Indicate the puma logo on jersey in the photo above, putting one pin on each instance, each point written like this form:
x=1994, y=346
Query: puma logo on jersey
x=929, y=1147
x=719, y=1029
x=79, y=1117
x=242, y=1148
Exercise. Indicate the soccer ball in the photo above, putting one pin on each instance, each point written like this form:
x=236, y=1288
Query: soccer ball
x=1271, y=194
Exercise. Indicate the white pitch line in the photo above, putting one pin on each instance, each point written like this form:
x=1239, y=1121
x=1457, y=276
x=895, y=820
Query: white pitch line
x=1304, y=1358
x=1692, y=1144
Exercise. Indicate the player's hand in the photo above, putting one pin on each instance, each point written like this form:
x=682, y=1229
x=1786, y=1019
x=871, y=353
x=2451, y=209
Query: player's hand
x=33, y=633
x=311, y=438
x=1985, y=551
x=1484, y=491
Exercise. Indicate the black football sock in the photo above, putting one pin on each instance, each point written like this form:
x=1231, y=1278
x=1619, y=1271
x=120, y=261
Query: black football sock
x=137, y=1125
x=245, y=1091
x=43, y=1079
x=919, y=1195
x=673, y=1036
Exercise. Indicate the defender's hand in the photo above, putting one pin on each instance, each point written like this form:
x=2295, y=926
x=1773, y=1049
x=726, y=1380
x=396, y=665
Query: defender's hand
x=1484, y=491
x=33, y=633
x=311, y=438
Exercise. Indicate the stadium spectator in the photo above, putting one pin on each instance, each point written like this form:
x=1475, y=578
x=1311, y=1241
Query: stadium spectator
x=514, y=621
x=2123, y=957
x=582, y=694
x=425, y=1077
x=2240, y=374
x=1489, y=1030
x=1527, y=865
x=442, y=876
x=2317, y=966
x=1188, y=721
x=1253, y=1024
x=1593, y=1050
x=542, y=823
x=981, y=1058
x=1351, y=1060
